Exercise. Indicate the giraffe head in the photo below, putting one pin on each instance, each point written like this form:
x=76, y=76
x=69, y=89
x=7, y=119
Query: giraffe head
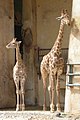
x=13, y=43
x=64, y=17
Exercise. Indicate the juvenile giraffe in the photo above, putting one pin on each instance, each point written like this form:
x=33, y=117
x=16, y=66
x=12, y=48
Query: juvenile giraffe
x=52, y=64
x=19, y=75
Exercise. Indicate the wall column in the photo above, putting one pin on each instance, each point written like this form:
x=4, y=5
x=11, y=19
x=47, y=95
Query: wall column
x=29, y=40
x=72, y=96
x=7, y=57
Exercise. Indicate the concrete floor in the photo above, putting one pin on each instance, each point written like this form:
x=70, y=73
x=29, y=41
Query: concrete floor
x=31, y=115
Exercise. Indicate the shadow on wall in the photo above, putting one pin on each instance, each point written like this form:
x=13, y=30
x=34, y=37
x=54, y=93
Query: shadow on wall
x=27, y=35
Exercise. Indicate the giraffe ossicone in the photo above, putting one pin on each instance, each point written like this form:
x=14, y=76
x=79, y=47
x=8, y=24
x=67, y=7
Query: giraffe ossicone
x=19, y=75
x=52, y=64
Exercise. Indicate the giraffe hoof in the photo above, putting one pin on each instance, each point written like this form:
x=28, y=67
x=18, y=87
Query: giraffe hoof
x=23, y=107
x=58, y=110
x=44, y=108
x=17, y=109
x=52, y=108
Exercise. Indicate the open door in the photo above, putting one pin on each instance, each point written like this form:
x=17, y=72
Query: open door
x=18, y=22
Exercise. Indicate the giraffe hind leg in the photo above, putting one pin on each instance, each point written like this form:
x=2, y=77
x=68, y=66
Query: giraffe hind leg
x=20, y=100
x=44, y=77
x=16, y=81
x=17, y=95
x=58, y=94
x=22, y=95
x=52, y=96
x=49, y=89
x=59, y=72
x=44, y=89
x=52, y=80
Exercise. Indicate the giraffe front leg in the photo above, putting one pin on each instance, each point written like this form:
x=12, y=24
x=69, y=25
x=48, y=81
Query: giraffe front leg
x=20, y=100
x=52, y=98
x=44, y=75
x=58, y=94
x=49, y=89
x=17, y=94
x=22, y=94
x=23, y=105
x=17, y=106
x=50, y=92
x=44, y=89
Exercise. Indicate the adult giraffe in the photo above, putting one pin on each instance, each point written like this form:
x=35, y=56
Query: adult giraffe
x=52, y=64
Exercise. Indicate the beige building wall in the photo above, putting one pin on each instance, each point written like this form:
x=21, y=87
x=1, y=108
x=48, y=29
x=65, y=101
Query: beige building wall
x=47, y=31
x=72, y=96
x=29, y=21
x=47, y=25
x=7, y=59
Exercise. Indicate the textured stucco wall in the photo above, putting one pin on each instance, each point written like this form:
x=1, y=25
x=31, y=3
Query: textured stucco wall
x=29, y=21
x=47, y=25
x=72, y=98
x=7, y=89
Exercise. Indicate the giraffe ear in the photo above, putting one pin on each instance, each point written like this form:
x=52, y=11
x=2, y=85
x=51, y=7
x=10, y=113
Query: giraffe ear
x=60, y=18
x=19, y=42
x=62, y=12
x=65, y=11
x=14, y=39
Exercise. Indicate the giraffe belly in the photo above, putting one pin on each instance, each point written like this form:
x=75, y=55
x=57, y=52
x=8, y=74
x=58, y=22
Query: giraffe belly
x=18, y=74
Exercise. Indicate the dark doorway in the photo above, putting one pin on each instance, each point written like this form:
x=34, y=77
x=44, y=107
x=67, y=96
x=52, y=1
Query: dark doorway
x=18, y=22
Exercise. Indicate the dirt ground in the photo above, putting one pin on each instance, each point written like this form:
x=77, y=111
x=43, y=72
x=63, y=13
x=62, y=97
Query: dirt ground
x=36, y=115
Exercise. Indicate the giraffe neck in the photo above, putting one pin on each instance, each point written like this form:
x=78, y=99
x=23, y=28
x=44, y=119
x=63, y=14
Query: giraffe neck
x=18, y=55
x=58, y=43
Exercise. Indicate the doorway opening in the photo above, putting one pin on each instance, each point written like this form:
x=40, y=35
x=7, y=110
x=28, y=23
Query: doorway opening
x=18, y=22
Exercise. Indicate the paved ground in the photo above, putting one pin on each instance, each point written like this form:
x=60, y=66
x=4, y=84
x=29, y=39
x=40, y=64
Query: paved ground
x=36, y=115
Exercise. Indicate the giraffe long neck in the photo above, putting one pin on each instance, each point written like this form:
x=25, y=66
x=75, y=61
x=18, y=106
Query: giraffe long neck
x=18, y=55
x=58, y=43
